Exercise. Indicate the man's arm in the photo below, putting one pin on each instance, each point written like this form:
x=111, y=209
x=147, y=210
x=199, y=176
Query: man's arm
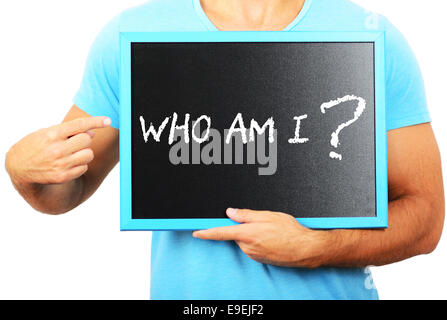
x=416, y=205
x=416, y=217
x=55, y=169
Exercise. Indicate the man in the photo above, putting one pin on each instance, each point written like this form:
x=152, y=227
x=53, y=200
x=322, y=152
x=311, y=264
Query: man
x=269, y=255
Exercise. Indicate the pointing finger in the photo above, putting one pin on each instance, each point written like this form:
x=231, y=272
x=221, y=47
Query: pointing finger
x=80, y=125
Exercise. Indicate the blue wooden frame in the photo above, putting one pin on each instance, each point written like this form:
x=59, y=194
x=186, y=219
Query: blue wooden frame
x=127, y=38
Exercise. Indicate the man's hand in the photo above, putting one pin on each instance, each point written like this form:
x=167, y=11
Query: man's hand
x=415, y=217
x=272, y=238
x=56, y=169
x=54, y=155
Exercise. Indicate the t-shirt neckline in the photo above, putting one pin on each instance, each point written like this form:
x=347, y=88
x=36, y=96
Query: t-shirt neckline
x=211, y=27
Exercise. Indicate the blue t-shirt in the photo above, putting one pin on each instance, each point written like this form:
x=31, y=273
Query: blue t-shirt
x=183, y=267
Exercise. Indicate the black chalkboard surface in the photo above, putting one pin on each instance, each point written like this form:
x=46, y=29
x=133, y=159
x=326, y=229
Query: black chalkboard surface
x=289, y=126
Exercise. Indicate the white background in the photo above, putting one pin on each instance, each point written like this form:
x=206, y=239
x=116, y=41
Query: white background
x=83, y=255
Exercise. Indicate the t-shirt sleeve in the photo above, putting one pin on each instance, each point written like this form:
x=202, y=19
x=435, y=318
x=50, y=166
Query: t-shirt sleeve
x=406, y=103
x=98, y=94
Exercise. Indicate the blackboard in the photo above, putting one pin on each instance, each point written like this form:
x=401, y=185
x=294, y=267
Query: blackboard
x=319, y=98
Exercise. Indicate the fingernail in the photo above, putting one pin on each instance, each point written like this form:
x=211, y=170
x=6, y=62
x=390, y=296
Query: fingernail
x=91, y=133
x=107, y=122
x=194, y=234
x=231, y=211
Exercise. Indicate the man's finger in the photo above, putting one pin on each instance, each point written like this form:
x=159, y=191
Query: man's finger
x=77, y=142
x=70, y=128
x=221, y=234
x=76, y=172
x=80, y=158
x=246, y=215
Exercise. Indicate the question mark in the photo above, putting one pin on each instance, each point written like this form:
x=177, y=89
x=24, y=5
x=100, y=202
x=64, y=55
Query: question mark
x=335, y=142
